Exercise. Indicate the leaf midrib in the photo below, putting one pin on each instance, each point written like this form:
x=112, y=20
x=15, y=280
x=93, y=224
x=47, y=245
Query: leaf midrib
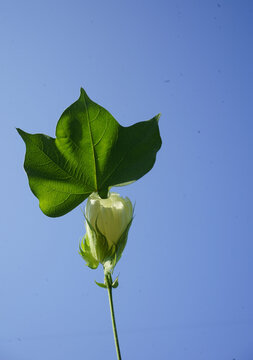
x=92, y=145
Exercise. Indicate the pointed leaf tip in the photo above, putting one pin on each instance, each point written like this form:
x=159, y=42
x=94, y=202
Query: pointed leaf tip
x=21, y=133
x=83, y=93
x=157, y=117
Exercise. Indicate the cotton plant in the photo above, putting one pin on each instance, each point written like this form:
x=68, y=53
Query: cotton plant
x=90, y=154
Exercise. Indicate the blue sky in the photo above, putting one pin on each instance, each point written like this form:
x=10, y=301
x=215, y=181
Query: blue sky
x=186, y=274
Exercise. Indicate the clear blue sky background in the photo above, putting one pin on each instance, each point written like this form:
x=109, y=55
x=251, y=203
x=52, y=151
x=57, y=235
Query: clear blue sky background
x=186, y=274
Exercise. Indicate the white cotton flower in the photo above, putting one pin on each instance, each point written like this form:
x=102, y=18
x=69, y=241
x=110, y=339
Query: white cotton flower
x=107, y=224
x=111, y=216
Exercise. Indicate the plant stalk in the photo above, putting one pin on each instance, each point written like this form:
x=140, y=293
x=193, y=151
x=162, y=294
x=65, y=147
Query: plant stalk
x=116, y=340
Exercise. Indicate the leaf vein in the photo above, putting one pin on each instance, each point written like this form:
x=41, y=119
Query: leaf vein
x=101, y=137
x=57, y=165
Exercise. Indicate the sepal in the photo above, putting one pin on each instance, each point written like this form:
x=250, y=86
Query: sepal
x=85, y=252
x=122, y=242
x=98, y=243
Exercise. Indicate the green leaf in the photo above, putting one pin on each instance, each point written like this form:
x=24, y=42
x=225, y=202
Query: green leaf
x=115, y=284
x=90, y=153
x=101, y=285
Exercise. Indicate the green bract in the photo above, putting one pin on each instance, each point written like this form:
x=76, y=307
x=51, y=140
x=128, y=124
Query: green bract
x=107, y=225
x=90, y=153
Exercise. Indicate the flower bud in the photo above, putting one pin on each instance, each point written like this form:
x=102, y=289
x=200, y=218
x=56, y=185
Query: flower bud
x=107, y=224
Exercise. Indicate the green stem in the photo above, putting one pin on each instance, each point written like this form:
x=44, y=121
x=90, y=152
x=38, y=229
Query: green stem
x=108, y=280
